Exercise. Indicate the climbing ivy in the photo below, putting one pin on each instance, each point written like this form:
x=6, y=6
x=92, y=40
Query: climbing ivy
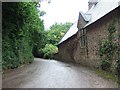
x=109, y=51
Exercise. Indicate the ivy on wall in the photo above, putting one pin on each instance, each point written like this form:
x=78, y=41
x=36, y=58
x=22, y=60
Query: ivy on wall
x=109, y=52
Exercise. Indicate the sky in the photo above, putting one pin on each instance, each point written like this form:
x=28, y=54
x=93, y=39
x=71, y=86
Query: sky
x=62, y=11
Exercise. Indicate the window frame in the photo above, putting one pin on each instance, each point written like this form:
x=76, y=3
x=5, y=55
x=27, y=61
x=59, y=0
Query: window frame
x=83, y=38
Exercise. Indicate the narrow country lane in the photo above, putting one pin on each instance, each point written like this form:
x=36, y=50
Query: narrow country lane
x=54, y=74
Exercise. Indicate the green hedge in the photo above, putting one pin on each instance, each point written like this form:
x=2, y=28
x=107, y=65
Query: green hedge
x=49, y=50
x=19, y=21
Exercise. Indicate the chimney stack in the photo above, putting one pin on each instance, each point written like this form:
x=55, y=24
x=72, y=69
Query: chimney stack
x=91, y=3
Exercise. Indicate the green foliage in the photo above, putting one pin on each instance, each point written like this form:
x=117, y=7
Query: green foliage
x=107, y=47
x=118, y=66
x=106, y=75
x=109, y=51
x=57, y=31
x=105, y=65
x=40, y=39
x=49, y=50
x=54, y=35
x=20, y=25
x=111, y=28
x=42, y=13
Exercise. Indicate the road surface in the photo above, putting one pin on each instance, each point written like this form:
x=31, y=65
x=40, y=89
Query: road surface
x=54, y=74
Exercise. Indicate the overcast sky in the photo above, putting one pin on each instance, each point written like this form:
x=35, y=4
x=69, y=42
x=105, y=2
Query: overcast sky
x=62, y=11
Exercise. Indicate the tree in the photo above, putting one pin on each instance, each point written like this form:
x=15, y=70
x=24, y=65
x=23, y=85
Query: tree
x=57, y=31
x=54, y=35
x=20, y=25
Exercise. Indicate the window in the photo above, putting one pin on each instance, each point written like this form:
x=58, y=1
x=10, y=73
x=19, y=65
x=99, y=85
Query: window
x=83, y=38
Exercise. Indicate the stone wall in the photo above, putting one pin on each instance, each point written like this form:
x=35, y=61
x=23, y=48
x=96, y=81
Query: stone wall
x=119, y=25
x=95, y=33
x=71, y=50
x=81, y=22
x=66, y=49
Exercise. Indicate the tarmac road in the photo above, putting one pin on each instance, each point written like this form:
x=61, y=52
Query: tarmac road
x=54, y=74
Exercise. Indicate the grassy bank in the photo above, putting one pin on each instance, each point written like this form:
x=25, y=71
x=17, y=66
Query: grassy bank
x=107, y=75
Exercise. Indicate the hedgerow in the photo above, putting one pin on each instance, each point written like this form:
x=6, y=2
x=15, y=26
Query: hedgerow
x=20, y=21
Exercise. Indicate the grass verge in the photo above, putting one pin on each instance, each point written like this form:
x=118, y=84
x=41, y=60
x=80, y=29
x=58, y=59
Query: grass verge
x=107, y=75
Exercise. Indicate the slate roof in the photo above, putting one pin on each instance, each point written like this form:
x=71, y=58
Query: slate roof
x=97, y=11
x=102, y=8
x=93, y=0
x=73, y=30
x=86, y=16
